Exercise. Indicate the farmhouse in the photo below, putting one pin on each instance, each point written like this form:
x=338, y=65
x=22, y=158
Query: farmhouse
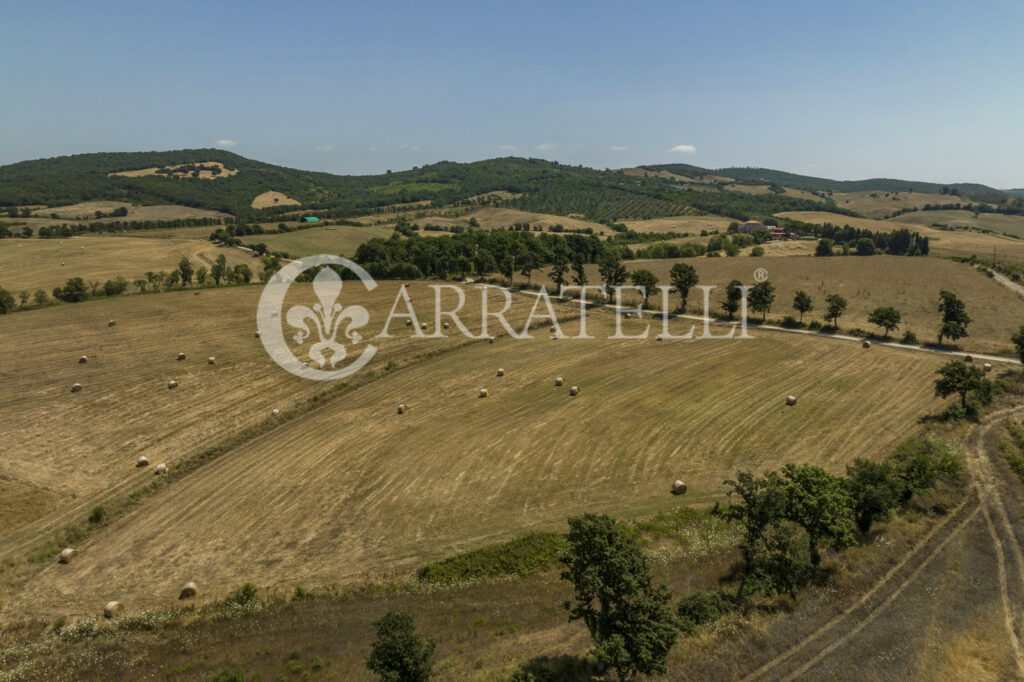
x=750, y=226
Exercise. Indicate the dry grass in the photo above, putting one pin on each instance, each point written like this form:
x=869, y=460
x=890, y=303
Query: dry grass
x=684, y=223
x=878, y=205
x=1009, y=224
x=31, y=264
x=339, y=239
x=910, y=284
x=86, y=211
x=203, y=174
x=942, y=242
x=349, y=490
x=272, y=198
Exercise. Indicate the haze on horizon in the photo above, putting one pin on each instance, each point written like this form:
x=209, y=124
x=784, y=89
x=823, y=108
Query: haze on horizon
x=924, y=91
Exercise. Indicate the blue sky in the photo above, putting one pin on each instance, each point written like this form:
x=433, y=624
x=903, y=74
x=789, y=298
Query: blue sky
x=921, y=90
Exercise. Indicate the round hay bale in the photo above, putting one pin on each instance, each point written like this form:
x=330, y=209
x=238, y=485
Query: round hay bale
x=987, y=367
x=574, y=390
x=558, y=381
x=161, y=469
x=483, y=392
x=257, y=335
x=791, y=400
x=142, y=462
x=181, y=356
x=211, y=360
x=68, y=555
x=197, y=293
x=401, y=409
x=189, y=590
x=554, y=336
x=75, y=388
x=82, y=360
x=446, y=325
x=678, y=487
x=865, y=344
x=62, y=263
x=658, y=338
x=423, y=325
x=112, y=609
x=275, y=412
x=968, y=358
x=408, y=323
x=490, y=339
x=172, y=384
x=501, y=371
x=111, y=323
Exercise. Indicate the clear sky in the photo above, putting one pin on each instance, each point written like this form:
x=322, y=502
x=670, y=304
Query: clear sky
x=919, y=90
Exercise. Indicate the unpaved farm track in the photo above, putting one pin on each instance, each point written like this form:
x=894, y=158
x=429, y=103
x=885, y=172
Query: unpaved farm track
x=995, y=498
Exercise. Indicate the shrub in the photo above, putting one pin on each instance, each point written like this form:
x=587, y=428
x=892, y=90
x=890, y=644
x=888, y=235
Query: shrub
x=399, y=654
x=97, y=515
x=226, y=676
x=909, y=338
x=923, y=462
x=814, y=325
x=243, y=596
x=857, y=331
x=522, y=556
x=790, y=322
x=757, y=251
x=700, y=608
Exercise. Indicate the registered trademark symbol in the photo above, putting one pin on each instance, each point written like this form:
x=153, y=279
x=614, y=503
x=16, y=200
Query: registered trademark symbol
x=760, y=275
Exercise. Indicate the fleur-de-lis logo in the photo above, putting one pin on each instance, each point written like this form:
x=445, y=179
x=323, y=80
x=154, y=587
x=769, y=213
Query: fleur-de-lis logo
x=320, y=323
x=327, y=316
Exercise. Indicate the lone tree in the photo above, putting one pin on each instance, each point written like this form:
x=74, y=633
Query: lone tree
x=817, y=501
x=646, y=280
x=733, y=296
x=802, y=304
x=954, y=317
x=6, y=302
x=1018, y=342
x=399, y=654
x=886, y=317
x=684, y=277
x=613, y=272
x=186, y=270
x=762, y=295
x=960, y=378
x=836, y=307
x=630, y=621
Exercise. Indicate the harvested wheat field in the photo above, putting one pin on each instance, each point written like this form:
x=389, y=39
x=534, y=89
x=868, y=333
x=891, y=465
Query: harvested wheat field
x=880, y=204
x=272, y=198
x=31, y=264
x=76, y=450
x=86, y=211
x=202, y=174
x=682, y=223
x=354, y=489
x=910, y=284
x=941, y=242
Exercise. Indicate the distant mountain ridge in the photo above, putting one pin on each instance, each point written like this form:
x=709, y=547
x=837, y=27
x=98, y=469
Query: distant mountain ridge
x=815, y=184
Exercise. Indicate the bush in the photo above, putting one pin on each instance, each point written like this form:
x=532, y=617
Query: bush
x=790, y=322
x=243, y=596
x=757, y=251
x=399, y=654
x=524, y=555
x=814, y=325
x=97, y=515
x=858, y=332
x=923, y=462
x=909, y=338
x=700, y=608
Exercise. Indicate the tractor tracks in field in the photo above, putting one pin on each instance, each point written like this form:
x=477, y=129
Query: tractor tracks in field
x=985, y=498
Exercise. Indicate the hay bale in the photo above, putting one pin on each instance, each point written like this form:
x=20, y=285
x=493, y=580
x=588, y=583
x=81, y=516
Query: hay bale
x=82, y=360
x=574, y=390
x=181, y=356
x=401, y=409
x=197, y=293
x=678, y=487
x=112, y=609
x=111, y=323
x=142, y=462
x=865, y=344
x=161, y=469
x=446, y=325
x=490, y=339
x=172, y=384
x=791, y=400
x=257, y=335
x=658, y=338
x=68, y=555
x=554, y=336
x=968, y=358
x=189, y=590
x=75, y=388
x=483, y=392
x=211, y=360
x=558, y=381
x=275, y=412
x=987, y=367
x=408, y=323
x=423, y=325
x=501, y=371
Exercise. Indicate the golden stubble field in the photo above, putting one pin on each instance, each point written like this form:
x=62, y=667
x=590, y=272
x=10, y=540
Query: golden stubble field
x=31, y=264
x=910, y=284
x=352, y=490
